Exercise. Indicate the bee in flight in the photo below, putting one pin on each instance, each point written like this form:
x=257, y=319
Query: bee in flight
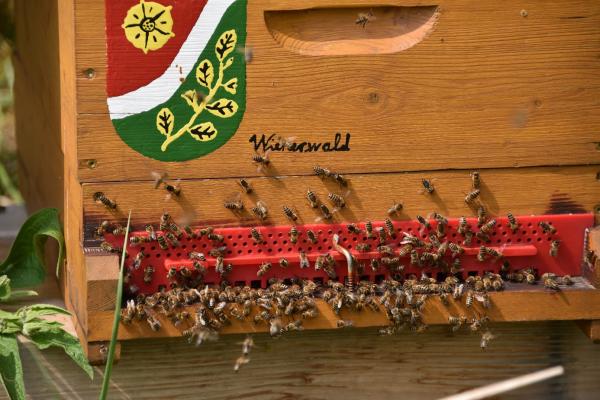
x=364, y=18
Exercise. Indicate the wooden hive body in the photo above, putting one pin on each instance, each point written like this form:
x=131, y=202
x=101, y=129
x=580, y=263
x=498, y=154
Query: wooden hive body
x=424, y=90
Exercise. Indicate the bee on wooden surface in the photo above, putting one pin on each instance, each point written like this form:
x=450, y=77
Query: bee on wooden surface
x=340, y=179
x=235, y=205
x=512, y=222
x=486, y=338
x=344, y=323
x=423, y=222
x=475, y=180
x=275, y=327
x=137, y=261
x=369, y=229
x=260, y=210
x=463, y=226
x=326, y=214
x=159, y=178
x=488, y=226
x=353, y=228
x=290, y=213
x=456, y=322
x=135, y=240
x=364, y=18
x=550, y=281
x=105, y=246
x=547, y=227
x=153, y=322
x=239, y=362
x=162, y=242
x=263, y=269
x=395, y=209
x=390, y=227
x=469, y=299
x=481, y=215
x=103, y=228
x=245, y=185
x=382, y=235
x=304, y=263
x=427, y=186
x=215, y=237
x=283, y=262
x=172, y=190
x=129, y=312
x=195, y=255
x=566, y=280
x=321, y=172
x=458, y=291
x=256, y=236
x=165, y=221
x=312, y=198
x=528, y=275
x=172, y=239
x=100, y=198
x=554, y=248
x=364, y=247
x=312, y=237
x=310, y=313
x=293, y=234
x=336, y=200
x=471, y=196
x=263, y=161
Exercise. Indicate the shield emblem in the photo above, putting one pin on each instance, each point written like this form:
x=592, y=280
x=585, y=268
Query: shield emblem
x=176, y=80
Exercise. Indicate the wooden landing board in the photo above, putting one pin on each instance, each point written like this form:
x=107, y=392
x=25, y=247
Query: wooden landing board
x=522, y=191
x=517, y=303
x=487, y=87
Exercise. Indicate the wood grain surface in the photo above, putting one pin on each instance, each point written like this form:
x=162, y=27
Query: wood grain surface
x=487, y=88
x=319, y=365
x=522, y=191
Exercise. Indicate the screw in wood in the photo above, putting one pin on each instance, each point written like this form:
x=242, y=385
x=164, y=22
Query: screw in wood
x=90, y=73
x=524, y=13
x=92, y=164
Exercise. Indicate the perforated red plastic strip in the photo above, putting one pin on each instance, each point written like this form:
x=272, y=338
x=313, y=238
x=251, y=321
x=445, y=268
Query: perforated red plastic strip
x=528, y=247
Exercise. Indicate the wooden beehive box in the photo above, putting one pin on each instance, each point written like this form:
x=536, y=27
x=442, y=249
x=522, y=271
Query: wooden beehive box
x=107, y=94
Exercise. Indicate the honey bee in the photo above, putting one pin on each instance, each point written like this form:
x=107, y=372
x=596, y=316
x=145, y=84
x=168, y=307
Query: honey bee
x=312, y=237
x=321, y=172
x=547, y=227
x=283, y=263
x=566, y=280
x=463, y=226
x=129, y=312
x=414, y=258
x=263, y=269
x=173, y=189
x=325, y=212
x=135, y=240
x=195, y=255
x=172, y=239
x=395, y=209
x=352, y=228
x=554, y=248
x=341, y=323
x=405, y=250
x=382, y=235
x=481, y=215
x=486, y=337
x=364, y=18
x=165, y=220
x=247, y=52
x=319, y=263
x=456, y=322
x=456, y=266
x=262, y=161
x=512, y=223
x=455, y=249
x=312, y=198
x=215, y=237
x=290, y=213
x=550, y=281
x=304, y=263
x=256, y=236
x=245, y=185
x=469, y=299
x=390, y=227
x=293, y=234
x=488, y=226
x=374, y=265
x=105, y=246
x=310, y=313
x=239, y=362
x=427, y=186
x=206, y=231
x=100, y=198
x=337, y=200
x=471, y=196
x=103, y=228
x=201, y=269
x=363, y=247
x=234, y=205
x=275, y=327
x=340, y=179
x=173, y=227
x=484, y=237
x=218, y=251
x=369, y=229
x=260, y=210
x=151, y=232
x=172, y=273
x=385, y=250
x=423, y=222
x=137, y=262
x=475, y=180
x=162, y=242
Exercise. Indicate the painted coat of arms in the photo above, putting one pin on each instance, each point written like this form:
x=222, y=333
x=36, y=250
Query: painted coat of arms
x=176, y=82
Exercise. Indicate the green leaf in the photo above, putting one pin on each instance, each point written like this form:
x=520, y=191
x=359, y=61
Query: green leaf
x=39, y=325
x=22, y=293
x=5, y=292
x=225, y=44
x=39, y=310
x=24, y=264
x=10, y=326
x=58, y=337
x=205, y=73
x=11, y=370
x=223, y=108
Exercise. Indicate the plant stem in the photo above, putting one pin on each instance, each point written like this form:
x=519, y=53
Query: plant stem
x=115, y=331
x=201, y=108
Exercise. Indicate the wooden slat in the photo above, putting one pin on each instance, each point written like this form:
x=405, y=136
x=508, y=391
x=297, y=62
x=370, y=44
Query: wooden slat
x=521, y=191
x=507, y=306
x=487, y=88
x=102, y=275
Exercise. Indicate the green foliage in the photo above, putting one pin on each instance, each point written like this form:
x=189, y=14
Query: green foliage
x=24, y=264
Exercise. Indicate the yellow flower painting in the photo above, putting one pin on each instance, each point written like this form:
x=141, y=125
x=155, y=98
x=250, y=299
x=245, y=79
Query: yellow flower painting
x=148, y=25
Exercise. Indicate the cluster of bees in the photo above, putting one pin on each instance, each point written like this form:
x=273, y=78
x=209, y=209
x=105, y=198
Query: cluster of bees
x=401, y=299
